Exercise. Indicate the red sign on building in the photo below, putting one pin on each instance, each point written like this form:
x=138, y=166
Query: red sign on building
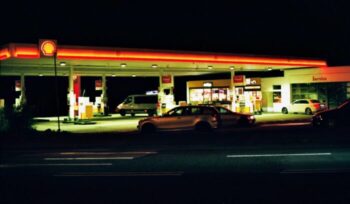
x=98, y=85
x=166, y=79
x=239, y=79
x=18, y=86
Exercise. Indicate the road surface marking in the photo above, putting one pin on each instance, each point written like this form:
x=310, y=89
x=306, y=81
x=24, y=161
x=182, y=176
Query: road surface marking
x=87, y=158
x=312, y=171
x=118, y=174
x=104, y=153
x=68, y=164
x=285, y=124
x=278, y=155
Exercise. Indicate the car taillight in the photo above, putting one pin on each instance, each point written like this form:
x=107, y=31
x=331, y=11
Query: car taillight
x=316, y=105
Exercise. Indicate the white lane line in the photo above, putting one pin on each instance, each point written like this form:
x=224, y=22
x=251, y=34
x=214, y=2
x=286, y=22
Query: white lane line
x=118, y=174
x=87, y=158
x=278, y=155
x=313, y=171
x=62, y=164
x=285, y=124
x=104, y=153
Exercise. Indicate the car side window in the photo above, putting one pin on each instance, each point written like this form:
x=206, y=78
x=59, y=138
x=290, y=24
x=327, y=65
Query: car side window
x=176, y=112
x=304, y=102
x=128, y=100
x=186, y=111
x=195, y=111
x=206, y=111
x=296, y=102
x=222, y=110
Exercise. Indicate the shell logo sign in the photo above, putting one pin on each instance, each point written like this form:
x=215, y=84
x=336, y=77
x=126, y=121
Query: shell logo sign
x=47, y=47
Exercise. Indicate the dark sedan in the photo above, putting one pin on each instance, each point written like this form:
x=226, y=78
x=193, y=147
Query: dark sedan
x=338, y=117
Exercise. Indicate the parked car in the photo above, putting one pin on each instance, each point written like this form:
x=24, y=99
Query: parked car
x=138, y=104
x=229, y=118
x=335, y=117
x=307, y=106
x=200, y=118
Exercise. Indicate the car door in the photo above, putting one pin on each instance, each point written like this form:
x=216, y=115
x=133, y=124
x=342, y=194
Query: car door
x=296, y=106
x=170, y=120
x=228, y=118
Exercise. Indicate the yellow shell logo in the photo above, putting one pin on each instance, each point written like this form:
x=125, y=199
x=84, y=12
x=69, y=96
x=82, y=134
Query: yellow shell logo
x=48, y=48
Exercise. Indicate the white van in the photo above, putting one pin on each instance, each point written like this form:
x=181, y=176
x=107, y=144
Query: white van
x=138, y=104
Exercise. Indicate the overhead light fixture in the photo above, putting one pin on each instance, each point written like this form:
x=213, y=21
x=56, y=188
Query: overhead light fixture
x=122, y=65
x=210, y=67
x=154, y=66
x=113, y=75
x=40, y=75
x=269, y=69
x=232, y=67
x=62, y=64
x=133, y=75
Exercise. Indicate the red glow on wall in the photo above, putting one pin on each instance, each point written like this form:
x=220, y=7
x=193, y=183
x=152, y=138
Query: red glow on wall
x=177, y=57
x=4, y=53
x=125, y=55
x=26, y=52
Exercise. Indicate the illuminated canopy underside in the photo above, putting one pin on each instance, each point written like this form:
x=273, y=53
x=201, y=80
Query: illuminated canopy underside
x=25, y=58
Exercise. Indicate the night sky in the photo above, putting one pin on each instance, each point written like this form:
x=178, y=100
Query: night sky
x=312, y=28
x=297, y=28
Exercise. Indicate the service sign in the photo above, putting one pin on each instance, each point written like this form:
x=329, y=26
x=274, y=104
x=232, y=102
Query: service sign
x=48, y=48
x=252, y=81
x=166, y=79
x=239, y=79
x=18, y=86
x=98, y=85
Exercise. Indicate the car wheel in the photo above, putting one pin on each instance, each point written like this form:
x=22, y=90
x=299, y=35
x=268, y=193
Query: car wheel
x=122, y=112
x=148, y=128
x=284, y=110
x=203, y=127
x=308, y=111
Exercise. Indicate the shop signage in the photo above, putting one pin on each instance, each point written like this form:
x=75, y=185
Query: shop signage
x=98, y=85
x=252, y=88
x=76, y=86
x=207, y=84
x=238, y=79
x=47, y=48
x=18, y=86
x=166, y=79
x=319, y=78
x=253, y=81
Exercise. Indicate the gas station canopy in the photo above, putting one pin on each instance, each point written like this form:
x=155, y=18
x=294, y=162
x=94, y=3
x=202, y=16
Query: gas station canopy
x=96, y=61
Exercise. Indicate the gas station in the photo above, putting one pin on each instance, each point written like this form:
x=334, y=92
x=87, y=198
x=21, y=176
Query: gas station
x=75, y=62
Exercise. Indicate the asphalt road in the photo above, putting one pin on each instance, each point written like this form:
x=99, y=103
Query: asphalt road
x=284, y=163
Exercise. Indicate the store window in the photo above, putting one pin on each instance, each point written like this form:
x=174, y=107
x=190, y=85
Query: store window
x=210, y=95
x=277, y=95
x=330, y=94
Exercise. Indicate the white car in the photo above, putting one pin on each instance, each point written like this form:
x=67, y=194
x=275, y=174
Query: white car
x=200, y=118
x=138, y=104
x=307, y=106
